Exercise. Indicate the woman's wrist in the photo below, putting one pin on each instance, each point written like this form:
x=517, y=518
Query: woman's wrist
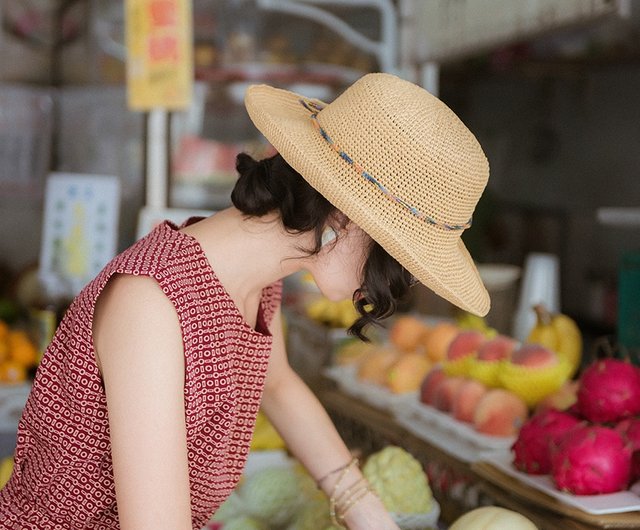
x=369, y=514
x=352, y=503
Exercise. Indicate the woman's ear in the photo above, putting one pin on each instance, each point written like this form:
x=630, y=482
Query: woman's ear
x=328, y=235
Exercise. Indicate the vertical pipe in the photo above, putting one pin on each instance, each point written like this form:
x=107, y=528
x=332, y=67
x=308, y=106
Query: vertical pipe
x=157, y=170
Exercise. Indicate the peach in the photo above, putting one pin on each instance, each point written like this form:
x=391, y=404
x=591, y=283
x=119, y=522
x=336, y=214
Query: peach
x=464, y=344
x=406, y=374
x=534, y=355
x=429, y=385
x=437, y=341
x=466, y=400
x=500, y=413
x=407, y=332
x=373, y=367
x=446, y=393
x=497, y=348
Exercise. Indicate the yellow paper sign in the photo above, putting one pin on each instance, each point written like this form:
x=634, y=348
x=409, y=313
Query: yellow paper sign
x=159, y=38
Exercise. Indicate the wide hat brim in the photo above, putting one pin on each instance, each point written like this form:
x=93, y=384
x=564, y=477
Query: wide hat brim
x=436, y=257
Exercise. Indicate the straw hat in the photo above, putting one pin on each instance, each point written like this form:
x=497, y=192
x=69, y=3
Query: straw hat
x=398, y=162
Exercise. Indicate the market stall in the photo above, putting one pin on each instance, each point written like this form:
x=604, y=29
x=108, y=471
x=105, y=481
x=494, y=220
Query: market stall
x=532, y=411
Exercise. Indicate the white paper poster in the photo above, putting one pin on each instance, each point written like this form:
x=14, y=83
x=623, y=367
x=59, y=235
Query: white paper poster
x=80, y=230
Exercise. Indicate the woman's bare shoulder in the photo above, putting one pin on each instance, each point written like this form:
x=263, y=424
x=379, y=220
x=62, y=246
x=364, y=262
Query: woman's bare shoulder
x=133, y=310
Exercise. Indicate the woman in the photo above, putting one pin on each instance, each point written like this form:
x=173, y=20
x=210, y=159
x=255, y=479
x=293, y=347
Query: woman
x=142, y=409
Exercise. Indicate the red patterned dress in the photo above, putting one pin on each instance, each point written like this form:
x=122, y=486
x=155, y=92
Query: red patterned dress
x=63, y=476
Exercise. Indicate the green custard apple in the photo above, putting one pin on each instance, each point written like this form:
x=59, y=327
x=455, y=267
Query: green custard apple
x=399, y=480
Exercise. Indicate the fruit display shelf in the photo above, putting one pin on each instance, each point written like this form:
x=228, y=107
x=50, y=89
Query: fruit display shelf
x=457, y=438
x=609, y=503
x=375, y=395
x=459, y=483
x=514, y=492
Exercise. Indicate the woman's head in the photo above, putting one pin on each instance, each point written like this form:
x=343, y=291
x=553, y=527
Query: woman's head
x=398, y=162
x=352, y=264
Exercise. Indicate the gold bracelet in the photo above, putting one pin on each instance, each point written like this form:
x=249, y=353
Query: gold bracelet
x=332, y=498
x=357, y=496
x=346, y=493
x=351, y=462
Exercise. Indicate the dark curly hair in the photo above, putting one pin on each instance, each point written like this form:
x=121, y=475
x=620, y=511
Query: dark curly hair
x=272, y=184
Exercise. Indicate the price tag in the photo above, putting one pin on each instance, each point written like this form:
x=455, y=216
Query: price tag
x=159, y=37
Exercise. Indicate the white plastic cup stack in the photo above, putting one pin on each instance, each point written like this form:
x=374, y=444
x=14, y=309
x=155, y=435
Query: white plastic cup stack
x=540, y=285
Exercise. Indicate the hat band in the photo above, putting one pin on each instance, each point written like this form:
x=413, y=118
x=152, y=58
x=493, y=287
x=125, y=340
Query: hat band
x=314, y=108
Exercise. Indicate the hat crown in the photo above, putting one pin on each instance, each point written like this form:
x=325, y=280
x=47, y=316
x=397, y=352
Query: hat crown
x=412, y=143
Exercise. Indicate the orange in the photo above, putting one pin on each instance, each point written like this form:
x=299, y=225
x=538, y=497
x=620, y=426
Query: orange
x=21, y=349
x=12, y=372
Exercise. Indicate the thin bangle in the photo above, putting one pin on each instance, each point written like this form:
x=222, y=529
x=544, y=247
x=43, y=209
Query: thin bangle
x=332, y=499
x=352, y=462
x=357, y=496
x=347, y=492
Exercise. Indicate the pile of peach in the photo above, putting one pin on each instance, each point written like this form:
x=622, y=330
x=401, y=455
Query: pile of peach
x=401, y=364
x=486, y=379
x=385, y=365
x=491, y=411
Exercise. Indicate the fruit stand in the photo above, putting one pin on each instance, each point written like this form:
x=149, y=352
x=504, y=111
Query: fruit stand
x=486, y=415
x=463, y=485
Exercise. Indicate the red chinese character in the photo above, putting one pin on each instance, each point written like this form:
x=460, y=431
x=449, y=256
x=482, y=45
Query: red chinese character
x=163, y=48
x=163, y=13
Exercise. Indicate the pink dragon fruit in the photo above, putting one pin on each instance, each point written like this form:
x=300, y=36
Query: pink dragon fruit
x=536, y=439
x=630, y=431
x=590, y=460
x=609, y=391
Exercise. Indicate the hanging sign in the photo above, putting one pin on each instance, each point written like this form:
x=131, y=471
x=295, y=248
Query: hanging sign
x=159, y=39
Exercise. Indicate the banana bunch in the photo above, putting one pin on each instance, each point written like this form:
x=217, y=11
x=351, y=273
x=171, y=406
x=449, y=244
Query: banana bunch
x=333, y=314
x=6, y=468
x=560, y=334
x=466, y=320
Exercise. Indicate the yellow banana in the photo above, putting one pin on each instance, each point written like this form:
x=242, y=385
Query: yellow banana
x=559, y=333
x=334, y=314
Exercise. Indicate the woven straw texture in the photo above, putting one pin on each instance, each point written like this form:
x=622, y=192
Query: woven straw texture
x=413, y=145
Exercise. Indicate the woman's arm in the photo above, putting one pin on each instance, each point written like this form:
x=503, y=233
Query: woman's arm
x=310, y=435
x=138, y=345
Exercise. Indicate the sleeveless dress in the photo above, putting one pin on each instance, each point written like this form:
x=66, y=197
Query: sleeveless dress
x=63, y=475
